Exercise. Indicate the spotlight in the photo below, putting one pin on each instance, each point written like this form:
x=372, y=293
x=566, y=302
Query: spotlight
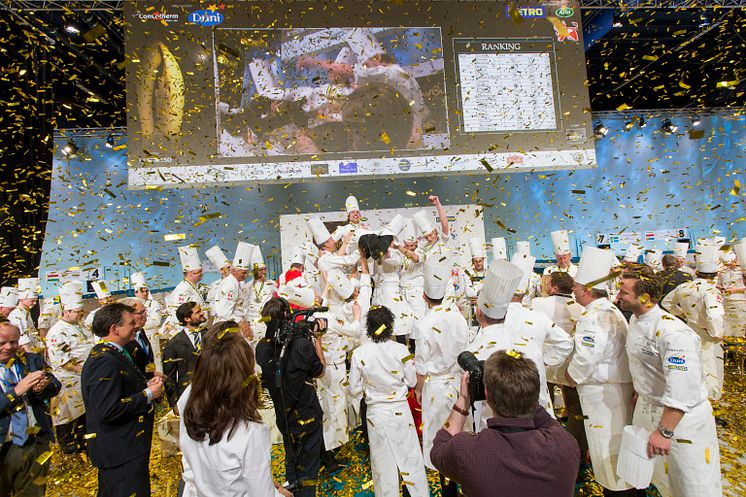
x=70, y=149
x=696, y=121
x=668, y=127
x=72, y=29
x=599, y=131
x=641, y=122
x=110, y=141
x=617, y=22
x=629, y=125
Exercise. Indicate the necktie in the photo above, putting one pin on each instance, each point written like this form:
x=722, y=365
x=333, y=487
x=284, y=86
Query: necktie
x=19, y=419
x=141, y=341
x=197, y=340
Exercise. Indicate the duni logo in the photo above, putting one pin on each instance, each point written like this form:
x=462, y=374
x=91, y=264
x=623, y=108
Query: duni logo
x=676, y=360
x=206, y=17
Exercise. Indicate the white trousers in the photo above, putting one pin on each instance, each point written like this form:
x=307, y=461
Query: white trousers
x=439, y=393
x=333, y=400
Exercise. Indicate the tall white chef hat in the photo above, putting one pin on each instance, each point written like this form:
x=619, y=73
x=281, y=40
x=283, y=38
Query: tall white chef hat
x=476, y=247
x=422, y=222
x=217, y=257
x=726, y=254
x=299, y=256
x=680, y=249
x=137, y=280
x=318, y=230
x=257, y=260
x=525, y=263
x=523, y=247
x=71, y=295
x=408, y=233
x=499, y=285
x=560, y=242
x=189, y=259
x=28, y=288
x=653, y=257
x=707, y=258
x=8, y=296
x=364, y=44
x=717, y=241
x=340, y=283
x=351, y=204
x=740, y=250
x=300, y=296
x=243, y=256
x=437, y=273
x=595, y=264
x=633, y=253
x=499, y=249
x=393, y=227
x=102, y=291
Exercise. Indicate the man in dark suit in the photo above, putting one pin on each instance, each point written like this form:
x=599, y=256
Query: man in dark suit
x=119, y=406
x=140, y=348
x=26, y=385
x=181, y=352
x=671, y=277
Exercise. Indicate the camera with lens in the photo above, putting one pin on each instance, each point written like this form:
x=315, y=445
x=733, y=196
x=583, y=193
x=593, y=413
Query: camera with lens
x=301, y=324
x=469, y=363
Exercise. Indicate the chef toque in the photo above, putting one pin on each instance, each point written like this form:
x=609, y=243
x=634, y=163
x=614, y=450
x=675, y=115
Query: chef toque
x=499, y=285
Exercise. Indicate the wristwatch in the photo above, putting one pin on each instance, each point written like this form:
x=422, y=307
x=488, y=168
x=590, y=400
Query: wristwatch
x=665, y=431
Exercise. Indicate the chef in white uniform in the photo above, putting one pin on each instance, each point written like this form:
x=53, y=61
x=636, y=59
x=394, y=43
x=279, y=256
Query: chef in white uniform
x=354, y=224
x=653, y=258
x=154, y=310
x=600, y=368
x=665, y=363
x=680, y=249
x=632, y=254
x=532, y=288
x=411, y=277
x=220, y=262
x=471, y=280
x=731, y=284
x=328, y=256
x=229, y=301
x=28, y=297
x=441, y=336
x=297, y=265
x=68, y=347
x=258, y=292
x=8, y=300
x=382, y=370
x=49, y=313
x=562, y=254
x=700, y=304
x=189, y=289
x=500, y=284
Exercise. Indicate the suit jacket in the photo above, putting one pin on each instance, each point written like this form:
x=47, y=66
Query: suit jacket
x=10, y=402
x=179, y=359
x=671, y=278
x=117, y=409
x=144, y=362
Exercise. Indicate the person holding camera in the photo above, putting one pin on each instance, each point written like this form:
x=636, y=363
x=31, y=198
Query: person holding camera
x=291, y=359
x=380, y=370
x=523, y=451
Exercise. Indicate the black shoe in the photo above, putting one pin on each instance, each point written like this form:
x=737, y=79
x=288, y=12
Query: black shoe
x=721, y=422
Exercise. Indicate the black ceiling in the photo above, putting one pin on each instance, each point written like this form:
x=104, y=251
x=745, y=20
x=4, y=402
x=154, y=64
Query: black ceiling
x=655, y=58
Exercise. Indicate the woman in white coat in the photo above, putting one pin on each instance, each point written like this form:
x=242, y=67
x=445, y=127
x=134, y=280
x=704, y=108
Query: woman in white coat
x=381, y=372
x=225, y=446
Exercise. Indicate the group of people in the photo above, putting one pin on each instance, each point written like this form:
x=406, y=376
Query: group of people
x=379, y=329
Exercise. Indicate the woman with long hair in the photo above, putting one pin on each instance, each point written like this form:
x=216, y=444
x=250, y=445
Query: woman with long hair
x=225, y=447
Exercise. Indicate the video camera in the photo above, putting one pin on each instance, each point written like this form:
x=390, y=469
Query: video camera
x=469, y=363
x=301, y=324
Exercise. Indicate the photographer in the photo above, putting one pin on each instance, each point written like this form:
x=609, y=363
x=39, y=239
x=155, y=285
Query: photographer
x=289, y=364
x=522, y=452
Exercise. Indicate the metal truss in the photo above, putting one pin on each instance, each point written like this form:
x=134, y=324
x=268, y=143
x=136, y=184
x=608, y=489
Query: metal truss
x=64, y=5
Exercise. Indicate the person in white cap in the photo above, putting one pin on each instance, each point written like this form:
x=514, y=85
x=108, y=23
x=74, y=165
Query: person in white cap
x=499, y=249
x=664, y=361
x=411, y=277
x=562, y=254
x=680, y=250
x=329, y=257
x=220, y=262
x=294, y=275
x=531, y=282
x=632, y=255
x=699, y=304
x=441, y=336
x=470, y=280
x=8, y=300
x=28, y=296
x=104, y=296
x=730, y=282
x=189, y=289
x=154, y=317
x=258, y=292
x=600, y=369
x=652, y=259
x=500, y=284
x=354, y=224
x=229, y=301
x=68, y=347
x=50, y=312
x=381, y=370
x=437, y=242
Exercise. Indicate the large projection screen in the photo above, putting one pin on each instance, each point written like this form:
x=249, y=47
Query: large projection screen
x=271, y=91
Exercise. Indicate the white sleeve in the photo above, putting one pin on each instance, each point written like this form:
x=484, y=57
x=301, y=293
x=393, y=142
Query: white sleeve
x=670, y=303
x=590, y=344
x=410, y=376
x=355, y=380
x=715, y=313
x=558, y=344
x=422, y=350
x=680, y=360
x=257, y=463
x=328, y=262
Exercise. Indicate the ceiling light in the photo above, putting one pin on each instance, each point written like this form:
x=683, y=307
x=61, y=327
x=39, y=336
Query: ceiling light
x=599, y=130
x=641, y=122
x=696, y=121
x=629, y=125
x=668, y=127
x=110, y=141
x=617, y=22
x=72, y=29
x=70, y=149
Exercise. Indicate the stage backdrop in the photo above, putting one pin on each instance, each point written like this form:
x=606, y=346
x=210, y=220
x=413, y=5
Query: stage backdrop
x=646, y=181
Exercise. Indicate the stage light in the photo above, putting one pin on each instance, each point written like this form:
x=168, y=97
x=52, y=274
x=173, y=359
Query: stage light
x=641, y=122
x=629, y=125
x=668, y=127
x=70, y=149
x=599, y=131
x=696, y=121
x=72, y=29
x=617, y=22
x=110, y=141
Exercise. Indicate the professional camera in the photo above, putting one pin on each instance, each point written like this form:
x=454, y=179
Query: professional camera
x=469, y=363
x=301, y=324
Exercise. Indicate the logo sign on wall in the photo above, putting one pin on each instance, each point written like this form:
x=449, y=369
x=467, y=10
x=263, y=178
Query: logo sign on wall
x=206, y=17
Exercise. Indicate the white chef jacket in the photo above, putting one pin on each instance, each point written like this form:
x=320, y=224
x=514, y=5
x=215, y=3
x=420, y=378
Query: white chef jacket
x=441, y=247
x=700, y=304
x=441, y=336
x=29, y=334
x=329, y=261
x=229, y=301
x=50, y=312
x=561, y=309
x=554, y=342
x=155, y=315
x=600, y=340
x=186, y=292
x=383, y=371
x=572, y=270
x=412, y=274
x=238, y=466
x=664, y=360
